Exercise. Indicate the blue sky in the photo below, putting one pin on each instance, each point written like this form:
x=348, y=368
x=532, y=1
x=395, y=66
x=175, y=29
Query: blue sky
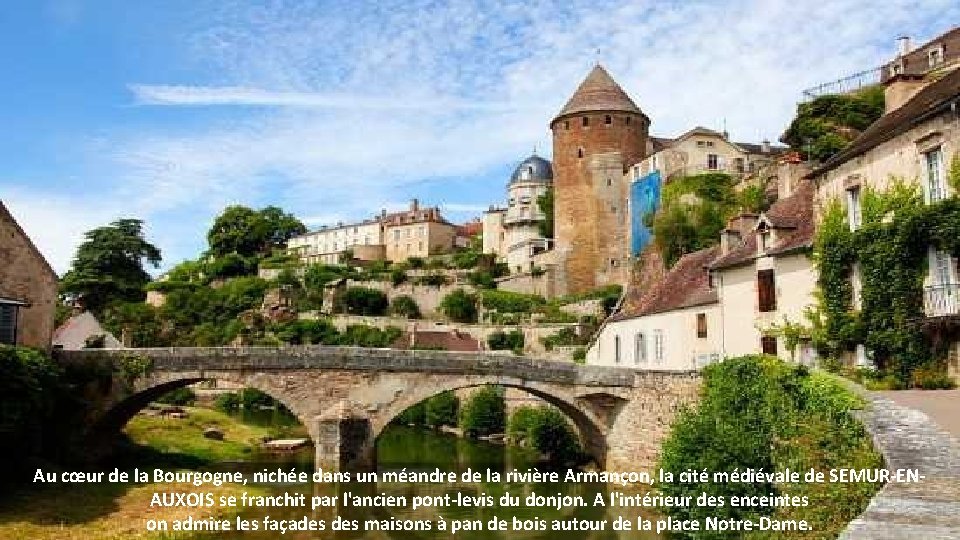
x=170, y=110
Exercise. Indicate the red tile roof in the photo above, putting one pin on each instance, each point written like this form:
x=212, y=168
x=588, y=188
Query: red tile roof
x=792, y=220
x=687, y=284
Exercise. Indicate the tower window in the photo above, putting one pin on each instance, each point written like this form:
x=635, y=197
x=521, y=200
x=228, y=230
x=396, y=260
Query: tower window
x=608, y=119
x=579, y=152
x=609, y=182
x=626, y=120
x=586, y=121
x=566, y=124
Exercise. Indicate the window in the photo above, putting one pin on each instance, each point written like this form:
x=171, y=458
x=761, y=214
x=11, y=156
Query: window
x=941, y=267
x=640, y=349
x=853, y=208
x=933, y=161
x=701, y=325
x=626, y=121
x=8, y=324
x=566, y=124
x=738, y=163
x=586, y=121
x=658, y=346
x=396, y=234
x=766, y=291
x=608, y=119
x=525, y=199
x=713, y=162
x=768, y=345
x=935, y=56
x=856, y=287
x=579, y=152
x=616, y=349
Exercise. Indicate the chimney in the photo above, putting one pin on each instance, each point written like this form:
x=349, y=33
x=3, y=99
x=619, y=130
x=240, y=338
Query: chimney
x=903, y=46
x=414, y=205
x=899, y=89
x=765, y=146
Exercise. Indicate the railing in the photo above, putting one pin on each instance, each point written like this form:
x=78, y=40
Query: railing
x=851, y=83
x=941, y=300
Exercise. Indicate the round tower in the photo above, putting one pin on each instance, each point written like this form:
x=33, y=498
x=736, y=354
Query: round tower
x=532, y=178
x=597, y=135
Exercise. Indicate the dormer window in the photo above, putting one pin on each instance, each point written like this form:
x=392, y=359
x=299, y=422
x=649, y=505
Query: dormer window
x=935, y=56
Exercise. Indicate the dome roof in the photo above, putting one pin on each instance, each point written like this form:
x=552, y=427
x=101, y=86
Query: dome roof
x=599, y=92
x=533, y=169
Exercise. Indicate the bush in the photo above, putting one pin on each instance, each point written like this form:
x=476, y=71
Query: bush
x=442, y=410
x=416, y=262
x=580, y=355
x=361, y=335
x=181, y=396
x=511, y=302
x=932, y=378
x=229, y=402
x=484, y=413
x=510, y=341
x=398, y=276
x=29, y=385
x=231, y=265
x=546, y=430
x=363, y=301
x=405, y=306
x=565, y=337
x=460, y=306
x=306, y=332
x=760, y=413
x=415, y=415
x=433, y=280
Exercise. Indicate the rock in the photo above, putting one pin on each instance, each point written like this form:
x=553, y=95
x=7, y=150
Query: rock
x=177, y=415
x=213, y=433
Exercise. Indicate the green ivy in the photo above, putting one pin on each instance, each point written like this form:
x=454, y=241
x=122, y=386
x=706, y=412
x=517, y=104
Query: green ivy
x=890, y=249
x=134, y=366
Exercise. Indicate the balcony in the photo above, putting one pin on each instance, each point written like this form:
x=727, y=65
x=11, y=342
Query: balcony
x=941, y=300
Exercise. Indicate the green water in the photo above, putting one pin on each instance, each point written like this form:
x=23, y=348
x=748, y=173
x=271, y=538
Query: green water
x=421, y=449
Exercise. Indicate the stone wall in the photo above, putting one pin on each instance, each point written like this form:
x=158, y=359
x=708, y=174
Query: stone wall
x=25, y=276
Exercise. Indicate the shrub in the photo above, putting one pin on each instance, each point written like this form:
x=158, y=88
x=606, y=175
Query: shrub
x=460, y=306
x=580, y=355
x=416, y=262
x=363, y=301
x=415, y=415
x=932, y=378
x=565, y=337
x=547, y=430
x=180, y=396
x=761, y=413
x=511, y=302
x=228, y=402
x=306, y=332
x=482, y=279
x=442, y=410
x=398, y=276
x=361, y=335
x=506, y=341
x=405, y=306
x=29, y=384
x=433, y=280
x=231, y=265
x=484, y=413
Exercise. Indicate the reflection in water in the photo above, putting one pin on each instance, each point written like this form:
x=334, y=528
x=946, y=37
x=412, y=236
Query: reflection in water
x=421, y=449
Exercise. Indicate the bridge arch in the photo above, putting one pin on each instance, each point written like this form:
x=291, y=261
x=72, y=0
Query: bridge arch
x=125, y=403
x=592, y=429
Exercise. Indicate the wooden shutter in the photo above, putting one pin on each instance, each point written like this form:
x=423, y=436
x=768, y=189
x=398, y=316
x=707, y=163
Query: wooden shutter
x=768, y=345
x=701, y=325
x=766, y=290
x=8, y=324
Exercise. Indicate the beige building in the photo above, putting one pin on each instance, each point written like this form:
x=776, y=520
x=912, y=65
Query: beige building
x=676, y=325
x=764, y=277
x=28, y=288
x=418, y=232
x=914, y=142
x=703, y=150
x=513, y=233
x=328, y=245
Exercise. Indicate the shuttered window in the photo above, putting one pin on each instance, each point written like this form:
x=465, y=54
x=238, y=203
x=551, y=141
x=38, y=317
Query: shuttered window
x=766, y=290
x=701, y=325
x=768, y=345
x=8, y=324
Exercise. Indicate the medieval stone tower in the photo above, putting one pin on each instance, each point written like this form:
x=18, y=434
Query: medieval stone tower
x=597, y=135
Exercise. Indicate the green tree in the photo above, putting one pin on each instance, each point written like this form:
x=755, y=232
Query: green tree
x=249, y=233
x=442, y=410
x=506, y=341
x=109, y=265
x=460, y=306
x=363, y=301
x=545, y=202
x=405, y=306
x=826, y=125
x=485, y=412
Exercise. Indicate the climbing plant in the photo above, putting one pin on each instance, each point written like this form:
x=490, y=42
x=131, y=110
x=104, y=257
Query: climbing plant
x=890, y=251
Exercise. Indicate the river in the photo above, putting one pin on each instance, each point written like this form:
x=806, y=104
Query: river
x=411, y=448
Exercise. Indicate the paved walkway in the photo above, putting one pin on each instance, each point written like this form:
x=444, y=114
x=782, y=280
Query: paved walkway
x=943, y=406
x=909, y=439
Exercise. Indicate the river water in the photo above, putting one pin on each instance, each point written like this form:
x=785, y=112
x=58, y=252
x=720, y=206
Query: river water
x=420, y=449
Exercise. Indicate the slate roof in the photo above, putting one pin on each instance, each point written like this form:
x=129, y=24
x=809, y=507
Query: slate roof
x=686, y=285
x=599, y=92
x=792, y=219
x=931, y=100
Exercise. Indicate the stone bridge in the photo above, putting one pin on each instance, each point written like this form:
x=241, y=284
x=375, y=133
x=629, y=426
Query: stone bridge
x=346, y=396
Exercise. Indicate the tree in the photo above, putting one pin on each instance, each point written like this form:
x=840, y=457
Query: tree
x=248, y=232
x=460, y=306
x=405, y=306
x=109, y=265
x=363, y=301
x=827, y=124
x=545, y=202
x=485, y=412
x=442, y=410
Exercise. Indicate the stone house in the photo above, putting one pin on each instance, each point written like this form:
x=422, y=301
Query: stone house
x=764, y=277
x=328, y=245
x=676, y=325
x=28, y=288
x=417, y=232
x=914, y=142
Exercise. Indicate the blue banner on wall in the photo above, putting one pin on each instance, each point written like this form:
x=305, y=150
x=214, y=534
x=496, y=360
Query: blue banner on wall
x=644, y=200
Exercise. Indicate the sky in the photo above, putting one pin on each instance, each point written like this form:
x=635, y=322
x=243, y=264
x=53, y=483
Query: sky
x=170, y=110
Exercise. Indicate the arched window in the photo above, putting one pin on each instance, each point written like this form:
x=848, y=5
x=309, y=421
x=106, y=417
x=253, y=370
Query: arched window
x=586, y=121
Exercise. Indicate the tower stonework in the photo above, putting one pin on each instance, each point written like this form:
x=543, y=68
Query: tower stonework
x=596, y=136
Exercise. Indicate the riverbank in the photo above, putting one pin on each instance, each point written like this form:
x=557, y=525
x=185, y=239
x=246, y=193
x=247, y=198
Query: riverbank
x=115, y=511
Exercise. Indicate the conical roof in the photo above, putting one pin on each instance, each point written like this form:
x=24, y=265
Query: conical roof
x=599, y=92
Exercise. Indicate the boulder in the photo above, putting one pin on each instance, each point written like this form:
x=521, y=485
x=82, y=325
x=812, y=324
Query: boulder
x=213, y=433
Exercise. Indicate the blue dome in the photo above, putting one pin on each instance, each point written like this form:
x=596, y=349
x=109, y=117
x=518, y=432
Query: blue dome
x=533, y=169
